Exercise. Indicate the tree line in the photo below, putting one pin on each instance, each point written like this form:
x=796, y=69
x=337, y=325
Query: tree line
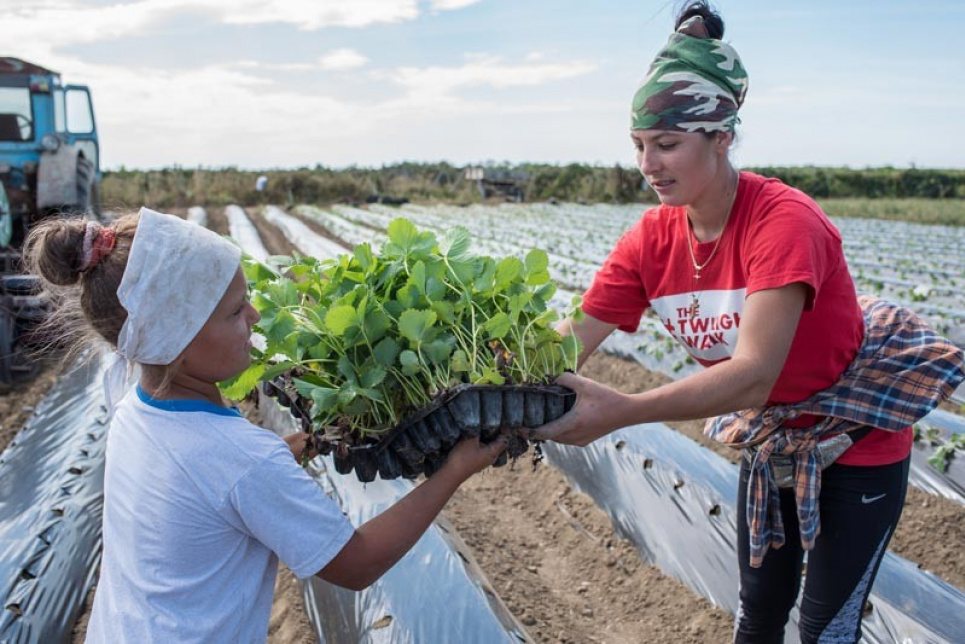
x=180, y=187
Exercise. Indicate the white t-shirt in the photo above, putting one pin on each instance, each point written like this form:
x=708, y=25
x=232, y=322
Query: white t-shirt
x=199, y=505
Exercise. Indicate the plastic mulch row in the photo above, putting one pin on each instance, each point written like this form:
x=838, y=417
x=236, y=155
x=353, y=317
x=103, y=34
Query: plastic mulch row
x=421, y=442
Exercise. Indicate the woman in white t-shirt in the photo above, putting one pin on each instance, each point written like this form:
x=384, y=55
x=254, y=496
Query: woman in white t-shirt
x=199, y=503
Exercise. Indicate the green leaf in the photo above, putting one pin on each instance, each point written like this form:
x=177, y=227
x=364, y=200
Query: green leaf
x=408, y=296
x=486, y=279
x=346, y=368
x=373, y=376
x=435, y=289
x=417, y=277
x=536, y=261
x=256, y=272
x=446, y=311
x=340, y=318
x=363, y=255
x=459, y=362
x=376, y=324
x=490, y=377
x=517, y=303
x=408, y=358
x=454, y=245
x=402, y=233
x=386, y=352
x=282, y=292
x=414, y=324
x=438, y=351
x=241, y=385
x=279, y=328
x=323, y=397
x=508, y=271
x=498, y=326
x=546, y=292
x=410, y=362
x=461, y=272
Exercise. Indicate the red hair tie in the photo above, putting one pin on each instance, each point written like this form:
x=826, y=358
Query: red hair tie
x=96, y=245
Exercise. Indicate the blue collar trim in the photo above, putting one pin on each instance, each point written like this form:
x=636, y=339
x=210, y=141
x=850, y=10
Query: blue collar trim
x=186, y=405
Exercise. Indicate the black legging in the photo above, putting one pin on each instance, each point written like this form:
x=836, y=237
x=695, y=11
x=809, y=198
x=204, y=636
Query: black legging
x=860, y=507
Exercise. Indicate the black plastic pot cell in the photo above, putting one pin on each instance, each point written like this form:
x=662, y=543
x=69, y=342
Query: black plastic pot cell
x=446, y=426
x=554, y=407
x=424, y=437
x=513, y=404
x=465, y=409
x=389, y=466
x=491, y=411
x=407, y=452
x=366, y=466
x=344, y=463
x=534, y=406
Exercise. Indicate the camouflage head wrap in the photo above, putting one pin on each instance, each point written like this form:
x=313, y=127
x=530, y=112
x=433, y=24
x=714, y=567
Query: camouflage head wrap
x=694, y=83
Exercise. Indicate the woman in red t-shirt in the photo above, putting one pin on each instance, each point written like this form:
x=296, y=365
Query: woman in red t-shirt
x=750, y=277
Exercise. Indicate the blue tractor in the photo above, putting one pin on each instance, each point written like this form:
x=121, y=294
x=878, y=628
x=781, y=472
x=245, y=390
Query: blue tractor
x=49, y=165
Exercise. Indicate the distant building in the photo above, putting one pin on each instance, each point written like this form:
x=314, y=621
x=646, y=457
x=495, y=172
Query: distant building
x=491, y=182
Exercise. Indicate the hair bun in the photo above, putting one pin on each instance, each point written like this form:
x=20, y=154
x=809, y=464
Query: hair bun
x=694, y=27
x=54, y=250
x=698, y=20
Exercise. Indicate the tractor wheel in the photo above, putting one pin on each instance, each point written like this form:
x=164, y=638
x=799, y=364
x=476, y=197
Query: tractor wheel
x=95, y=200
x=16, y=362
x=8, y=327
x=85, y=170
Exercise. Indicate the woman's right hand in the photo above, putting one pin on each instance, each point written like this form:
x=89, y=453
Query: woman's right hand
x=470, y=456
x=598, y=411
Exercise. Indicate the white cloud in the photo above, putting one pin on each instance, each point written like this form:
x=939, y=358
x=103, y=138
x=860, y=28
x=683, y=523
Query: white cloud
x=314, y=14
x=38, y=28
x=282, y=67
x=483, y=70
x=340, y=59
x=452, y=4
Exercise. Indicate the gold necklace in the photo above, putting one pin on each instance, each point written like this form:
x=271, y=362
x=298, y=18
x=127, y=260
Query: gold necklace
x=694, y=308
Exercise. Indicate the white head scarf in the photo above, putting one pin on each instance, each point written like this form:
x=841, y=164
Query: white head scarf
x=177, y=273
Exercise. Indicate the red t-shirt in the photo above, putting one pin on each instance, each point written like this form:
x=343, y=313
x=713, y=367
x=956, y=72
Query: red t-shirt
x=775, y=236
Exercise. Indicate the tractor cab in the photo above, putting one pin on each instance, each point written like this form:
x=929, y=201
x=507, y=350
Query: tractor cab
x=49, y=164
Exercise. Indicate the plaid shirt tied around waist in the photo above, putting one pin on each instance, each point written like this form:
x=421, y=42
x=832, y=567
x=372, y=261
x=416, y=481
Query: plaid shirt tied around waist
x=902, y=371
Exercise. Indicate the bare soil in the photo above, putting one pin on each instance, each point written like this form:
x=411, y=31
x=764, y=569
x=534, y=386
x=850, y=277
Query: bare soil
x=273, y=239
x=17, y=403
x=217, y=221
x=553, y=558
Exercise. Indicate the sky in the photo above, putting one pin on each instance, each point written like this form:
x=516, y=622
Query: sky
x=290, y=83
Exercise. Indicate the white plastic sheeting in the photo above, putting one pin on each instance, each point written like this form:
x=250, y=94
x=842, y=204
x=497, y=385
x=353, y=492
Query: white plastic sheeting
x=244, y=233
x=51, y=503
x=198, y=215
x=301, y=236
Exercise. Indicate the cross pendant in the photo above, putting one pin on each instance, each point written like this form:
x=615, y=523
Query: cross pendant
x=696, y=275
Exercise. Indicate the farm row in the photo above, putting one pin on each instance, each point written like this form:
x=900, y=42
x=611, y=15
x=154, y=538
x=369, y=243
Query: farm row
x=358, y=225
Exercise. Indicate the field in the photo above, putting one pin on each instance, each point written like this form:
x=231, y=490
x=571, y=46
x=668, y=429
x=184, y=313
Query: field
x=570, y=564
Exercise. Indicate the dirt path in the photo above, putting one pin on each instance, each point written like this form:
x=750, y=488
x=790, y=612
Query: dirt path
x=18, y=403
x=552, y=556
x=273, y=239
x=217, y=221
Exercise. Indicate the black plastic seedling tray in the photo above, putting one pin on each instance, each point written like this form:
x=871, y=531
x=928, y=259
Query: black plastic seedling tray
x=421, y=442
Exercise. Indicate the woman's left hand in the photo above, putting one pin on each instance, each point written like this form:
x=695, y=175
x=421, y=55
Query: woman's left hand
x=598, y=411
x=297, y=443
